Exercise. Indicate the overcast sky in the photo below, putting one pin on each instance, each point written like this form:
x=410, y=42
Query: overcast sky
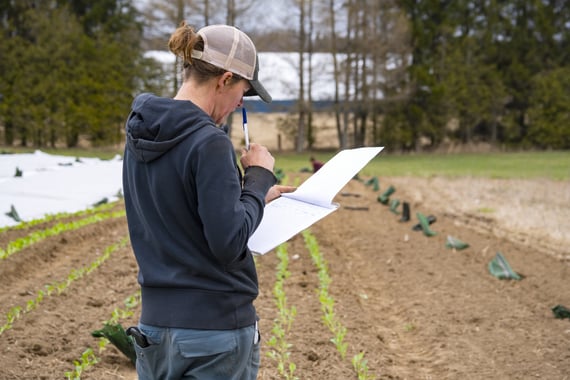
x=273, y=14
x=263, y=14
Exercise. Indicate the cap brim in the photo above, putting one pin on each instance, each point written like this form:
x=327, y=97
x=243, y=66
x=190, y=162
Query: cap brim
x=257, y=88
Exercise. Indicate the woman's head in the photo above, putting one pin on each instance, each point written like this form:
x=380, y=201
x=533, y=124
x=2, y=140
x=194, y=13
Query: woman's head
x=215, y=50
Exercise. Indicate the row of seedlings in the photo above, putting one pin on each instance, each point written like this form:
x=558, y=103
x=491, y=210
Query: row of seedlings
x=279, y=347
x=58, y=287
x=59, y=216
x=327, y=302
x=34, y=237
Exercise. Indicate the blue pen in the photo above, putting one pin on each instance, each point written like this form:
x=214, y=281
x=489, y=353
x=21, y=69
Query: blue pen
x=245, y=131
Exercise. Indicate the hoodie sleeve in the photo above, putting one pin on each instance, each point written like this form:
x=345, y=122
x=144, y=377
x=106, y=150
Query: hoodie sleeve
x=229, y=213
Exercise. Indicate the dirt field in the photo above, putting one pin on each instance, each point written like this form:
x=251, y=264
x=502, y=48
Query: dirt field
x=415, y=308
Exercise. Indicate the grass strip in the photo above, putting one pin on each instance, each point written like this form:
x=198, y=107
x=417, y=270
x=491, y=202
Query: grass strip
x=523, y=165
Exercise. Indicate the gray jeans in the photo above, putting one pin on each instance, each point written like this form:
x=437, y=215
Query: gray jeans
x=198, y=354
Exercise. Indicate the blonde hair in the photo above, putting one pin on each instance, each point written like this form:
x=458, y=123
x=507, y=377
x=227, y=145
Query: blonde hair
x=181, y=43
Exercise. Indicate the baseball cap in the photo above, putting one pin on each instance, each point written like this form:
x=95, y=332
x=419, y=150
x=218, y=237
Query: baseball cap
x=231, y=49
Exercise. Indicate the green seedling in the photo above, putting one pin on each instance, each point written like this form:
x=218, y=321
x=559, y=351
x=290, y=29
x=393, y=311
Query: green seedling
x=282, y=324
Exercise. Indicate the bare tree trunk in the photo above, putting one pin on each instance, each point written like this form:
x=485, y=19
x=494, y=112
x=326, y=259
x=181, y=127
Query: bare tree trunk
x=231, y=12
x=301, y=126
x=206, y=12
x=347, y=75
x=336, y=71
x=177, y=64
x=356, y=103
x=366, y=42
x=310, y=131
x=358, y=68
x=378, y=62
x=375, y=82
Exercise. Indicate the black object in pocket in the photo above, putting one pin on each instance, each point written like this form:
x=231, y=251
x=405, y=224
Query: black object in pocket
x=138, y=336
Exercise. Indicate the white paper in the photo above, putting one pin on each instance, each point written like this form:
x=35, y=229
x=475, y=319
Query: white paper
x=282, y=219
x=322, y=186
x=293, y=212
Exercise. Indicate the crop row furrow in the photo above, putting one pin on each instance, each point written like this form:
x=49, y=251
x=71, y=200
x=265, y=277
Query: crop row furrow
x=88, y=358
x=59, y=286
x=327, y=302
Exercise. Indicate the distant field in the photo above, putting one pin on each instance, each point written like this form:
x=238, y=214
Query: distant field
x=551, y=165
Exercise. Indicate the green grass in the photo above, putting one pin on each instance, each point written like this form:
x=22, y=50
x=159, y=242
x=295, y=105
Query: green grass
x=529, y=165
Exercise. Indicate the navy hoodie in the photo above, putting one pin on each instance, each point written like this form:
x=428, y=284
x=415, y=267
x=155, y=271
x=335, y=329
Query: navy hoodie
x=190, y=214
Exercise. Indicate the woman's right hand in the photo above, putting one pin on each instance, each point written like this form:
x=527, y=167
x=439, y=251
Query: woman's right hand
x=257, y=155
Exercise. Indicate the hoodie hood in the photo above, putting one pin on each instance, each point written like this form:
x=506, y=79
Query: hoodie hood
x=156, y=125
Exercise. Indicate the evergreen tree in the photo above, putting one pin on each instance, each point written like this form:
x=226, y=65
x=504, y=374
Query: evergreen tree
x=70, y=70
x=549, y=112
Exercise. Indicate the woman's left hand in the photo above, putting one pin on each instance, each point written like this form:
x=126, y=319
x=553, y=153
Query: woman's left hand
x=276, y=191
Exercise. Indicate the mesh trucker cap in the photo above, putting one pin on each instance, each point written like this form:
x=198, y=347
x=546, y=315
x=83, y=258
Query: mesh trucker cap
x=231, y=49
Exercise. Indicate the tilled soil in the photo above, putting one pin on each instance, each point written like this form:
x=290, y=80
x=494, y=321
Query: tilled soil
x=416, y=309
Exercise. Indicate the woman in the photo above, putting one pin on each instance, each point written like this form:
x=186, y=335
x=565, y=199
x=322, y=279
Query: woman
x=190, y=213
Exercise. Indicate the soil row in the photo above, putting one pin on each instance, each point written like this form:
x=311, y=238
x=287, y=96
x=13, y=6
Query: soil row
x=415, y=308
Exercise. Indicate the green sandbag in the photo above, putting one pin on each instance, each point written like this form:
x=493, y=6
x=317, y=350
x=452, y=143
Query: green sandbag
x=561, y=312
x=118, y=337
x=405, y=212
x=13, y=214
x=425, y=225
x=430, y=219
x=394, y=206
x=455, y=243
x=103, y=201
x=500, y=268
x=374, y=182
x=386, y=195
